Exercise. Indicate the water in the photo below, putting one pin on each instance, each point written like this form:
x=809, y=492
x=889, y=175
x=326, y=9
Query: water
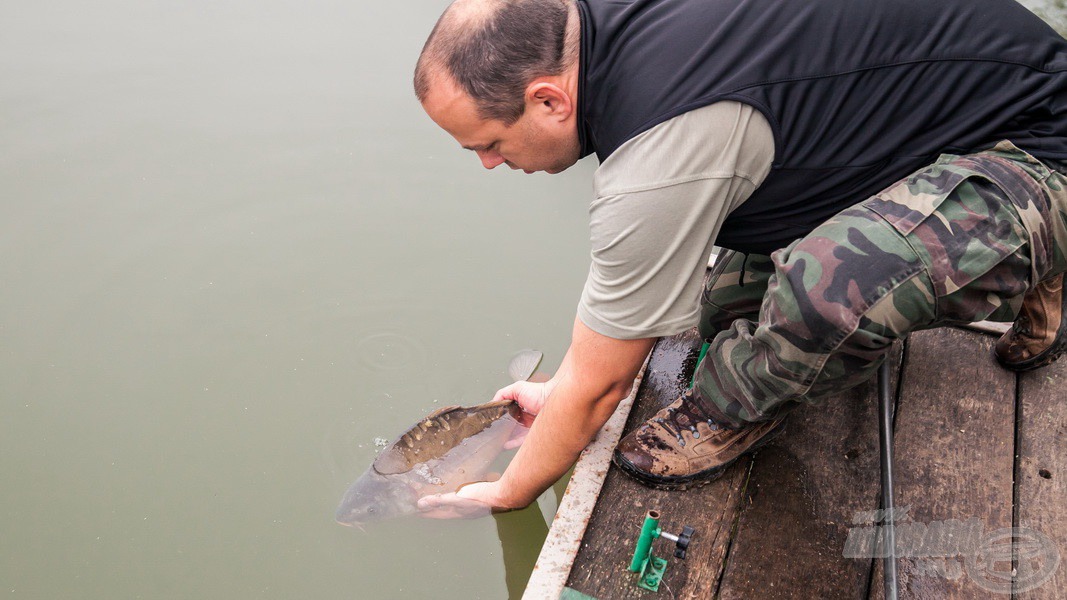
x=236, y=252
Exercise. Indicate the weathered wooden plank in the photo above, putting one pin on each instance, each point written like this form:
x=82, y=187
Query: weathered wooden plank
x=801, y=499
x=1041, y=478
x=954, y=446
x=561, y=546
x=601, y=567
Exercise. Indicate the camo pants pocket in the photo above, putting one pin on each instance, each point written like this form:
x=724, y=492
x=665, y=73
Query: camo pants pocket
x=962, y=218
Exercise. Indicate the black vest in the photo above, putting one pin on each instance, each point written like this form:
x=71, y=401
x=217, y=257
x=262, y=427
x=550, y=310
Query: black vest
x=859, y=93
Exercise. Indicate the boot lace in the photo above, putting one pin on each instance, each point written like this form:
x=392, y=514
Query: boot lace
x=681, y=418
x=1022, y=324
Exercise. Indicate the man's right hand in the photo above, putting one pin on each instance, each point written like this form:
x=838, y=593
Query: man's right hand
x=530, y=396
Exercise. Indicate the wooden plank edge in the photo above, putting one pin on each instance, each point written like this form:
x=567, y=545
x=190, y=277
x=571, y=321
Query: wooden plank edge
x=557, y=556
x=989, y=327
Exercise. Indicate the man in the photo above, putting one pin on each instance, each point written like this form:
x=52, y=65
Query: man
x=878, y=166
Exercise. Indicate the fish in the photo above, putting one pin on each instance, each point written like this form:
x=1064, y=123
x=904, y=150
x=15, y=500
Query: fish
x=444, y=451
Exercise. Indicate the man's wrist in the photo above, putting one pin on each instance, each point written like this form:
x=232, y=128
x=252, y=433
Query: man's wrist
x=509, y=496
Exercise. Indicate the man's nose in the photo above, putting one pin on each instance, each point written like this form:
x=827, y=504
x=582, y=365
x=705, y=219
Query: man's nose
x=490, y=160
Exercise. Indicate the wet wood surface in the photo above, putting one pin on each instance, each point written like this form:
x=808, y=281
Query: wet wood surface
x=778, y=524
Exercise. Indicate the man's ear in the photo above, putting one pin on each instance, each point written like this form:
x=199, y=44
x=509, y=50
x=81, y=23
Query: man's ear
x=547, y=98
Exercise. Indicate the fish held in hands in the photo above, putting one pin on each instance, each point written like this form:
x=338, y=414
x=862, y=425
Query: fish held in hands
x=444, y=451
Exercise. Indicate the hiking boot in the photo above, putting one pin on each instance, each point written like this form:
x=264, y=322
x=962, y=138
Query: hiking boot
x=683, y=446
x=1039, y=333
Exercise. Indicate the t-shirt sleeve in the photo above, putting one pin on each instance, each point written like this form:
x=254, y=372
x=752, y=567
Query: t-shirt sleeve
x=659, y=202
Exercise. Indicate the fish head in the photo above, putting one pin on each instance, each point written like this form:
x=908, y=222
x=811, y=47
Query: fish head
x=376, y=497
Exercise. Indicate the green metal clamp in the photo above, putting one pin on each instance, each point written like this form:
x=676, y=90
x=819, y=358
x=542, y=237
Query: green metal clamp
x=652, y=568
x=700, y=358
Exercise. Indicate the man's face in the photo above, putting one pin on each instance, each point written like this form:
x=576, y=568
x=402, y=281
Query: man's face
x=538, y=141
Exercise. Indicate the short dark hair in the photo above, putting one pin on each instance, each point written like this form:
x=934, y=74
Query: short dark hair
x=495, y=55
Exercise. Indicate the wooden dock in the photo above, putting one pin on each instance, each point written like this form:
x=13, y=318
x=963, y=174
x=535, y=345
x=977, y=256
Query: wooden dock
x=979, y=450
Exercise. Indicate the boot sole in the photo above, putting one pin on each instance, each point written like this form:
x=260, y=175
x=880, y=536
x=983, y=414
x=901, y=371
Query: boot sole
x=694, y=480
x=1046, y=358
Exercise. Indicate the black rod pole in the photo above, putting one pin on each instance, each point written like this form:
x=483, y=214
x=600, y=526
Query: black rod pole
x=885, y=435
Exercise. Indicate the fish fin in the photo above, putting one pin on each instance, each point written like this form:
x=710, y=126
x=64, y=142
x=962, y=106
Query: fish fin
x=523, y=364
x=391, y=461
x=439, y=412
x=494, y=404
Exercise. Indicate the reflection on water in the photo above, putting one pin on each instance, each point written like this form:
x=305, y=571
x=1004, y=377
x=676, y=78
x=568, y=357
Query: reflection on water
x=515, y=530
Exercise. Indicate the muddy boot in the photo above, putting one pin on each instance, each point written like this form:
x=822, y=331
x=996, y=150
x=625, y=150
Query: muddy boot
x=684, y=447
x=1039, y=334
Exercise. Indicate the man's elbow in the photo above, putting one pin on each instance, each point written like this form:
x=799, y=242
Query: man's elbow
x=619, y=391
x=610, y=394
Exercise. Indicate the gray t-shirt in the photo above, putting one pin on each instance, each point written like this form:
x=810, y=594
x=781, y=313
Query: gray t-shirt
x=659, y=202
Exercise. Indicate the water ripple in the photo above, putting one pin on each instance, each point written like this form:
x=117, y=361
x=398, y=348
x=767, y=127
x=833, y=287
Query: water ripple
x=390, y=351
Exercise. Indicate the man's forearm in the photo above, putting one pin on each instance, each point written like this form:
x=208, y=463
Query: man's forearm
x=596, y=375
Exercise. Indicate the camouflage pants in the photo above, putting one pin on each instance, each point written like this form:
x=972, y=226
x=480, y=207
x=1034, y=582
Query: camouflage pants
x=959, y=241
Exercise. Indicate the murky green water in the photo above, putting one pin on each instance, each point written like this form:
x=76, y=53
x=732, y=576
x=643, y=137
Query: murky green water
x=235, y=252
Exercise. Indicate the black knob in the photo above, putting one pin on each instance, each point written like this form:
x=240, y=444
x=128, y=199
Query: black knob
x=683, y=541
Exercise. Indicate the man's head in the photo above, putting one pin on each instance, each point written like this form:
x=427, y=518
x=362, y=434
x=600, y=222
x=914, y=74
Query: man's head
x=501, y=76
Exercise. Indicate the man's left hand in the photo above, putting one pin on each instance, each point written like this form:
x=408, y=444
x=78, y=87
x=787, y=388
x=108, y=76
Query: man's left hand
x=472, y=501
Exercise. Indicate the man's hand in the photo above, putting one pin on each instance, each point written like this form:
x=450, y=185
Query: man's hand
x=472, y=501
x=530, y=396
